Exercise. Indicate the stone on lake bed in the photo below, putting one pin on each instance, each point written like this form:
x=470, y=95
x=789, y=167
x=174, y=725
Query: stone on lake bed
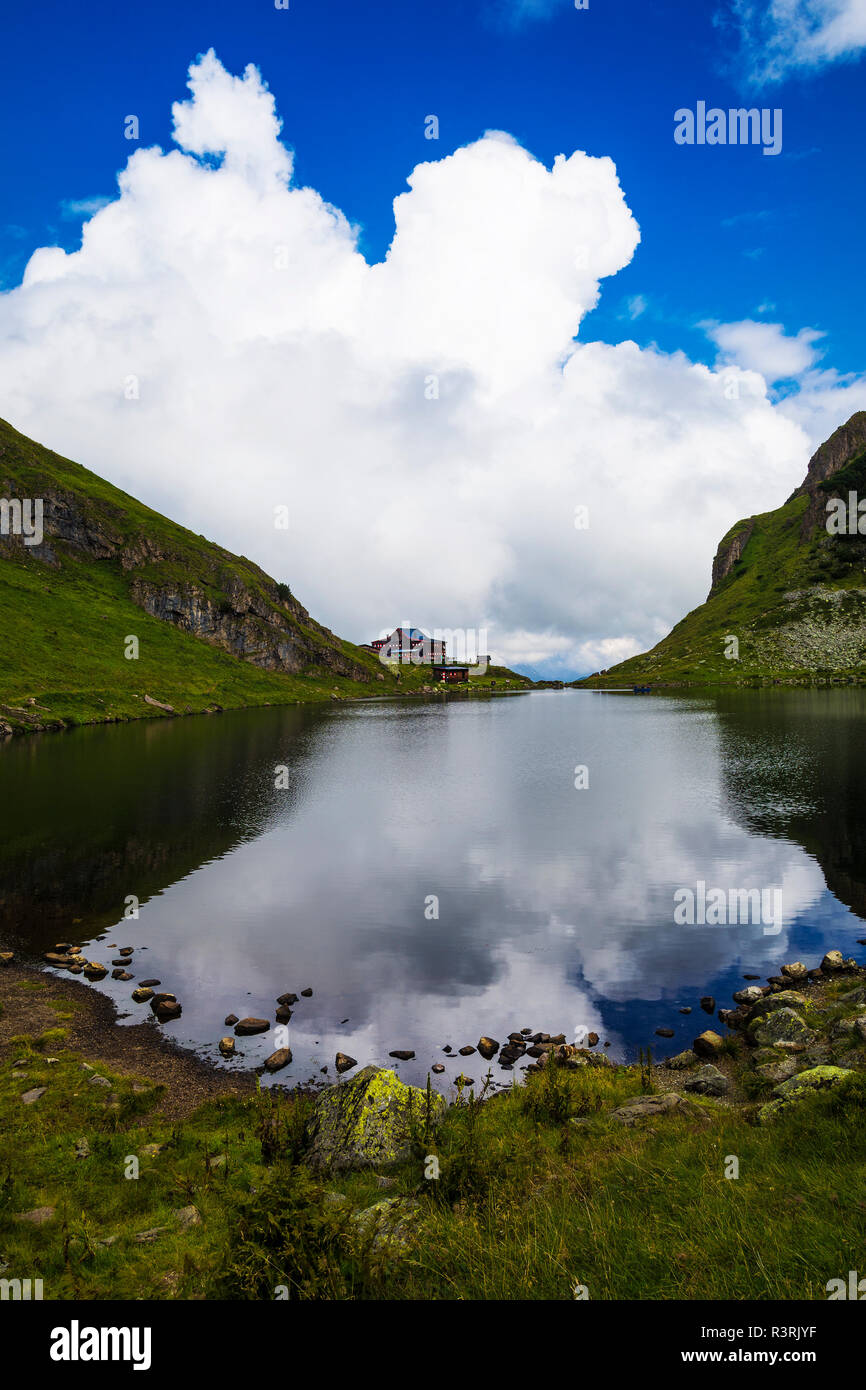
x=343, y=1062
x=227, y=1047
x=664, y=1032
x=466, y=1051
x=372, y=1119
x=288, y=999
x=833, y=961
x=230, y=1020
x=126, y=950
x=488, y=1047
x=402, y=1054
x=592, y=1040
x=151, y=983
x=307, y=993
x=118, y=974
x=251, y=1025
x=708, y=1004
x=462, y=1080
x=283, y=1013
x=120, y=960
x=438, y=1067
x=142, y=994
x=279, y=1059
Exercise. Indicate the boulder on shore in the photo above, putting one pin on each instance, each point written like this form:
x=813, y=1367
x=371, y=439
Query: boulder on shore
x=804, y=1084
x=370, y=1120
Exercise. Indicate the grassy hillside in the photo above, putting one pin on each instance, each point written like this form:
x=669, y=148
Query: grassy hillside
x=793, y=596
x=68, y=606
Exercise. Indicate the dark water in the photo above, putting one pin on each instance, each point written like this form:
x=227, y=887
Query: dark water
x=555, y=905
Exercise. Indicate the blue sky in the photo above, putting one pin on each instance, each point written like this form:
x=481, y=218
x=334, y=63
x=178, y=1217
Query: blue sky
x=725, y=231
x=667, y=386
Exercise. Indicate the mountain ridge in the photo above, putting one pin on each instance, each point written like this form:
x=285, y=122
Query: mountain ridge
x=787, y=599
x=212, y=630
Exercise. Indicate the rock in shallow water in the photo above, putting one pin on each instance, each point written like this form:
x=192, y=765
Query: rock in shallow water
x=279, y=1059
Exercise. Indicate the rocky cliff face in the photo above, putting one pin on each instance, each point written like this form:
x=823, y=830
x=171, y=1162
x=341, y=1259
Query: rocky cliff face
x=729, y=552
x=220, y=598
x=791, y=592
x=844, y=444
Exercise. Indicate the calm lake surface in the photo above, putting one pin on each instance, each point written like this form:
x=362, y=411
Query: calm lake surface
x=555, y=904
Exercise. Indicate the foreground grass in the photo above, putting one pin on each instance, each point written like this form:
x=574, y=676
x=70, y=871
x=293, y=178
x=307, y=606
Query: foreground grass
x=528, y=1204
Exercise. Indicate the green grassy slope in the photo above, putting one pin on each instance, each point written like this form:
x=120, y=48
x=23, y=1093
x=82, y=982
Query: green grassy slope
x=795, y=600
x=65, y=613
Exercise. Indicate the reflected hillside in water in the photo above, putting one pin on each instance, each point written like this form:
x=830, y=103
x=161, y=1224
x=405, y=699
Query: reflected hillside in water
x=794, y=764
x=89, y=817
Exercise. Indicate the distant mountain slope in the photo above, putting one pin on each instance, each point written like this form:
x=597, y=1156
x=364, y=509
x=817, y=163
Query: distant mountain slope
x=212, y=628
x=792, y=594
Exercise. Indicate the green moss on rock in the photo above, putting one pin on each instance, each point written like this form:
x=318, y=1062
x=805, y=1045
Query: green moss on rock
x=370, y=1121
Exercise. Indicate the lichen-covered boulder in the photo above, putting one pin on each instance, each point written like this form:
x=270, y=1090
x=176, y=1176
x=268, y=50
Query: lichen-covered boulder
x=807, y=1082
x=779, y=1069
x=771, y=1003
x=783, y=1026
x=371, y=1120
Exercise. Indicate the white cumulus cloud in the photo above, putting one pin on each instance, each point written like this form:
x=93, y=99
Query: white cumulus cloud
x=219, y=347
